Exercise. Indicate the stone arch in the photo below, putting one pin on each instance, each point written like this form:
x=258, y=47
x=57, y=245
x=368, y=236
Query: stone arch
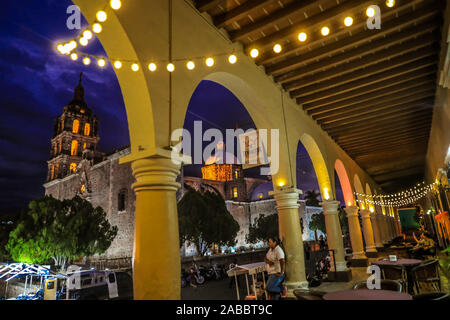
x=345, y=182
x=369, y=197
x=319, y=164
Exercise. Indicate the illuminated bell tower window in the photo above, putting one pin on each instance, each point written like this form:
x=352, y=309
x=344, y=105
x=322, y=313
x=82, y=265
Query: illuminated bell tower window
x=84, y=146
x=74, y=148
x=87, y=129
x=235, y=192
x=73, y=167
x=260, y=196
x=76, y=126
x=83, y=188
x=236, y=174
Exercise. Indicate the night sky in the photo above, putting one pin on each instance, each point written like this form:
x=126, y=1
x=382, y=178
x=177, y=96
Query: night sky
x=36, y=82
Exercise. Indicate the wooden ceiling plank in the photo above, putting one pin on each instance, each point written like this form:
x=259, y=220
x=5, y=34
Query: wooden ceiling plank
x=400, y=98
x=407, y=71
x=388, y=70
x=240, y=12
x=382, y=46
x=395, y=51
x=341, y=96
x=371, y=97
x=422, y=13
x=383, y=140
x=206, y=5
x=273, y=18
x=382, y=121
x=414, y=142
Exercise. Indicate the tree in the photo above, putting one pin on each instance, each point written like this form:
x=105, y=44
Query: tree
x=317, y=222
x=204, y=220
x=263, y=228
x=60, y=231
x=311, y=198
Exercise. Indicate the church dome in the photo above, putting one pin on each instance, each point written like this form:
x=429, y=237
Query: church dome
x=261, y=192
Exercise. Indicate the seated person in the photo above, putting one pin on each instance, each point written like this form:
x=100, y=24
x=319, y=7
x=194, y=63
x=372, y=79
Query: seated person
x=424, y=246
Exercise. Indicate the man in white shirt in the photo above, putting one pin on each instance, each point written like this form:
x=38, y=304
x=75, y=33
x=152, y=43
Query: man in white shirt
x=275, y=263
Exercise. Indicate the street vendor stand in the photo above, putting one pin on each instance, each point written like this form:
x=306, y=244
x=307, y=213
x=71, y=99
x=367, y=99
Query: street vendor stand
x=251, y=269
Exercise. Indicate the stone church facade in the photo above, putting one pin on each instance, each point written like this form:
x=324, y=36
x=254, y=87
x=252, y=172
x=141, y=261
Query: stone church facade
x=76, y=167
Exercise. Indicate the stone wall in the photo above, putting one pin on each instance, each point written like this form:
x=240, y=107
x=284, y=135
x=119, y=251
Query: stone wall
x=107, y=179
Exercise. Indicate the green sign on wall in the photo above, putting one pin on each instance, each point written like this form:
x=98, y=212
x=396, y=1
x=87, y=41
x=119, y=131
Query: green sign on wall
x=407, y=218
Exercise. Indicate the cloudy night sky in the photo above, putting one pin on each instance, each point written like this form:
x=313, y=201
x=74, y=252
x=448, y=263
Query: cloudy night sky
x=36, y=82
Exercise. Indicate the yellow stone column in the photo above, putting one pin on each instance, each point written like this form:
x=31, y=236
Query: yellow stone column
x=377, y=236
x=291, y=237
x=397, y=221
x=156, y=256
x=355, y=233
x=368, y=233
x=334, y=233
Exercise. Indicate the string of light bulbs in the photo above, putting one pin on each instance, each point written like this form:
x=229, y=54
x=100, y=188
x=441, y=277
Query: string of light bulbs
x=398, y=199
x=83, y=39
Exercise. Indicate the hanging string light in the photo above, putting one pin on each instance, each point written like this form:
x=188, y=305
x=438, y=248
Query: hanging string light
x=102, y=16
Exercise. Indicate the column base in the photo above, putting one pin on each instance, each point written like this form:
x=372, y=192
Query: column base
x=291, y=286
x=340, y=276
x=359, y=262
x=381, y=249
x=371, y=254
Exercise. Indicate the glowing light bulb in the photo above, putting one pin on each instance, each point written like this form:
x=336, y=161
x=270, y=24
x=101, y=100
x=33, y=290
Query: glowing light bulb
x=101, y=63
x=281, y=183
x=87, y=61
x=97, y=28
x=302, y=36
x=254, y=53
x=135, y=67
x=325, y=31
x=84, y=42
x=87, y=34
x=170, y=67
x=390, y=3
x=117, y=64
x=232, y=59
x=348, y=21
x=277, y=48
x=152, y=67
x=370, y=12
x=115, y=4
x=326, y=194
x=73, y=44
x=74, y=56
x=190, y=65
x=101, y=16
x=60, y=48
x=209, y=62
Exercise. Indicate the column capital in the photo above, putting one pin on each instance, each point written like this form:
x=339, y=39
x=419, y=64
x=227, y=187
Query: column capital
x=351, y=211
x=286, y=198
x=365, y=213
x=156, y=173
x=330, y=206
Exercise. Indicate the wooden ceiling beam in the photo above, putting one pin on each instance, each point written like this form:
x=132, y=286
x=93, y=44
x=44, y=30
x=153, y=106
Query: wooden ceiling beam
x=407, y=71
x=205, y=5
x=316, y=21
x=240, y=12
x=369, y=75
x=390, y=121
x=370, y=98
x=272, y=19
x=379, y=140
x=398, y=99
x=396, y=165
x=351, y=71
x=415, y=142
x=342, y=96
x=369, y=114
x=383, y=132
x=399, y=174
x=386, y=136
x=288, y=61
x=383, y=47
x=395, y=51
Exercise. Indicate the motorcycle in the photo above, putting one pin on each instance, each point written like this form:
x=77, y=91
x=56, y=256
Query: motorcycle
x=199, y=273
x=214, y=272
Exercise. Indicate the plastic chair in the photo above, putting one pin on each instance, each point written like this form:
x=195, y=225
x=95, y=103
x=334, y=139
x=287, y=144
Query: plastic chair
x=426, y=273
x=301, y=294
x=397, y=273
x=433, y=296
x=391, y=285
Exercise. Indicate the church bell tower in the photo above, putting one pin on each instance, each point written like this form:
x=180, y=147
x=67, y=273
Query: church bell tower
x=75, y=133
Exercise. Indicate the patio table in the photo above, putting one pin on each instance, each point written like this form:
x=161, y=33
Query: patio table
x=367, y=294
x=408, y=264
